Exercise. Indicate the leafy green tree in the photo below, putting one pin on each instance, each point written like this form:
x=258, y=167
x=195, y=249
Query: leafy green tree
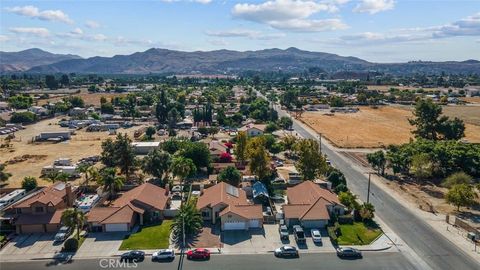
x=161, y=109
x=461, y=195
x=150, y=131
x=456, y=179
x=349, y=200
x=20, y=101
x=198, y=152
x=271, y=127
x=92, y=175
x=108, y=153
x=4, y=175
x=337, y=102
x=83, y=168
x=29, y=183
x=285, y=122
x=289, y=142
x=452, y=129
x=110, y=181
x=51, y=82
x=23, y=117
x=311, y=163
x=187, y=222
x=422, y=166
x=74, y=219
x=378, y=161
x=124, y=155
x=241, y=146
x=157, y=163
x=56, y=176
x=230, y=175
x=426, y=114
x=107, y=108
x=336, y=177
x=258, y=155
x=76, y=101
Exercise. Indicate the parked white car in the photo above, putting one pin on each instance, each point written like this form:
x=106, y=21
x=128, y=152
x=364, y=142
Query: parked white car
x=163, y=254
x=316, y=236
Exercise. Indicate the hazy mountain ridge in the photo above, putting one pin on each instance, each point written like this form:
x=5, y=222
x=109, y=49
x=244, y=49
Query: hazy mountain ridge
x=220, y=61
x=26, y=59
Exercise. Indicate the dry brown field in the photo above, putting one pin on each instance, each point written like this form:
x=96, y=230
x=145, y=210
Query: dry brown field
x=371, y=128
x=385, y=88
x=32, y=157
x=89, y=98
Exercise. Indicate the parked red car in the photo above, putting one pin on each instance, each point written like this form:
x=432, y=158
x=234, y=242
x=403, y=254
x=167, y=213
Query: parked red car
x=198, y=253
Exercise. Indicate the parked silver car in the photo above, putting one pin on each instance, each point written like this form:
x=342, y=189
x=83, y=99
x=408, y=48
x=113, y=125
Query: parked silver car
x=286, y=251
x=63, y=234
x=163, y=254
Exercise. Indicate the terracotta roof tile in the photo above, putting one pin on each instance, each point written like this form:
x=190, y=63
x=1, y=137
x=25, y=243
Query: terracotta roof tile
x=47, y=218
x=148, y=194
x=246, y=211
x=308, y=192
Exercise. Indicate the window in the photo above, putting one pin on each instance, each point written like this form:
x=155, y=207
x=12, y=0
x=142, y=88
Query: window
x=38, y=209
x=205, y=214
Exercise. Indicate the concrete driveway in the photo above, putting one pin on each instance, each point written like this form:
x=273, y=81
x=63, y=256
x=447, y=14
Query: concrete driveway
x=31, y=246
x=267, y=240
x=100, y=244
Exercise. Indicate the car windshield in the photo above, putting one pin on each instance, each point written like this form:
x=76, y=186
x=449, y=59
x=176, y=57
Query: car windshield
x=316, y=233
x=63, y=230
x=283, y=229
x=300, y=234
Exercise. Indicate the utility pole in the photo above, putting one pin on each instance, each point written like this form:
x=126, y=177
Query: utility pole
x=368, y=189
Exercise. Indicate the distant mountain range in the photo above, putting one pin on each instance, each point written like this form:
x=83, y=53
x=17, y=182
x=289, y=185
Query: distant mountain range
x=163, y=61
x=25, y=60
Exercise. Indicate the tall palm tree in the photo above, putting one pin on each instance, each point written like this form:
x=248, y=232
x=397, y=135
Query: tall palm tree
x=92, y=174
x=182, y=167
x=110, y=181
x=58, y=176
x=83, y=168
x=187, y=222
x=74, y=219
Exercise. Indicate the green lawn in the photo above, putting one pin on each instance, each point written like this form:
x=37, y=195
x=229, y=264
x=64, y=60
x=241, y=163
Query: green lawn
x=357, y=234
x=152, y=237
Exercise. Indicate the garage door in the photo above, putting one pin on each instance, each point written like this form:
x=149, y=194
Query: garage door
x=122, y=227
x=314, y=223
x=32, y=228
x=254, y=223
x=227, y=226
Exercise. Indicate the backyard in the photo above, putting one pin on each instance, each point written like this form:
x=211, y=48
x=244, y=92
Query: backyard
x=150, y=237
x=358, y=233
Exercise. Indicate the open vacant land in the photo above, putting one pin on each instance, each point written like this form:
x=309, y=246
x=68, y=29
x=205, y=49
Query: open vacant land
x=469, y=114
x=24, y=158
x=89, y=98
x=373, y=127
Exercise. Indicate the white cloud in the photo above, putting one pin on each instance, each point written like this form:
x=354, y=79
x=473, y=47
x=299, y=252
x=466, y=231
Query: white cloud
x=251, y=34
x=92, y=24
x=4, y=38
x=36, y=31
x=292, y=15
x=374, y=6
x=469, y=26
x=46, y=15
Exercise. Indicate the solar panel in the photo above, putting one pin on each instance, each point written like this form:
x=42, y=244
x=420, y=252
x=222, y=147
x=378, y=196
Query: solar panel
x=231, y=190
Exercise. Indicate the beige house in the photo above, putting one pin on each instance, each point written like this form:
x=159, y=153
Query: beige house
x=228, y=205
x=310, y=205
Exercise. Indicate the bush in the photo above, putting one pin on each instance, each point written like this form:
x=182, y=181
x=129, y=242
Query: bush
x=70, y=245
x=23, y=117
x=345, y=219
x=334, y=232
x=29, y=183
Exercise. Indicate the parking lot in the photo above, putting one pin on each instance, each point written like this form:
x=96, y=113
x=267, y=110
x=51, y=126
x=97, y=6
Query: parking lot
x=267, y=240
x=32, y=246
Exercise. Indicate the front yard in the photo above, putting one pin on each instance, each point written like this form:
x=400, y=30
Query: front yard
x=151, y=237
x=358, y=233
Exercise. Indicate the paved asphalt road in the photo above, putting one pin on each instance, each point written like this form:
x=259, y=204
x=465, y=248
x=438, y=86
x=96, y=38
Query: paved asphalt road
x=428, y=244
x=370, y=261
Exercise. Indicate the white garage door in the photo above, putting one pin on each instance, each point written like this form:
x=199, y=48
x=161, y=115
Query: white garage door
x=254, y=223
x=121, y=227
x=227, y=226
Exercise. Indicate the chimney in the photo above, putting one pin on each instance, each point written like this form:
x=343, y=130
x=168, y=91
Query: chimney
x=69, y=195
x=167, y=189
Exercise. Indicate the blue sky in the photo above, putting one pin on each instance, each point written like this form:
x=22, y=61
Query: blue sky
x=375, y=30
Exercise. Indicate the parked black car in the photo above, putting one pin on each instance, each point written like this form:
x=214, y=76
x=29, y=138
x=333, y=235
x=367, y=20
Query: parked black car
x=134, y=255
x=348, y=252
x=299, y=234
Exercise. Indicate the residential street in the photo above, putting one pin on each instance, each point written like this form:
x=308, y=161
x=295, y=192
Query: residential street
x=371, y=261
x=428, y=244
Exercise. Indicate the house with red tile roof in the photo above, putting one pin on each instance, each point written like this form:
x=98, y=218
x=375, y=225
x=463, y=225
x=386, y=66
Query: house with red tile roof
x=41, y=211
x=228, y=205
x=142, y=204
x=310, y=206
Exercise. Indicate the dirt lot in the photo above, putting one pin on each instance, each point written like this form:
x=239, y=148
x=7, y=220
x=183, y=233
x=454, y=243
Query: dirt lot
x=471, y=99
x=469, y=114
x=89, y=98
x=27, y=159
x=385, y=88
x=372, y=128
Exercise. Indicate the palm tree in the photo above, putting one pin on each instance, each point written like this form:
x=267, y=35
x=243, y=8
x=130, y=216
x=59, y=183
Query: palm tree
x=187, y=222
x=182, y=167
x=73, y=219
x=57, y=176
x=110, y=181
x=92, y=174
x=83, y=168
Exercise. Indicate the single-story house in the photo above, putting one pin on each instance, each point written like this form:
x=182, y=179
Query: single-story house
x=254, y=129
x=145, y=203
x=228, y=205
x=143, y=148
x=310, y=205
